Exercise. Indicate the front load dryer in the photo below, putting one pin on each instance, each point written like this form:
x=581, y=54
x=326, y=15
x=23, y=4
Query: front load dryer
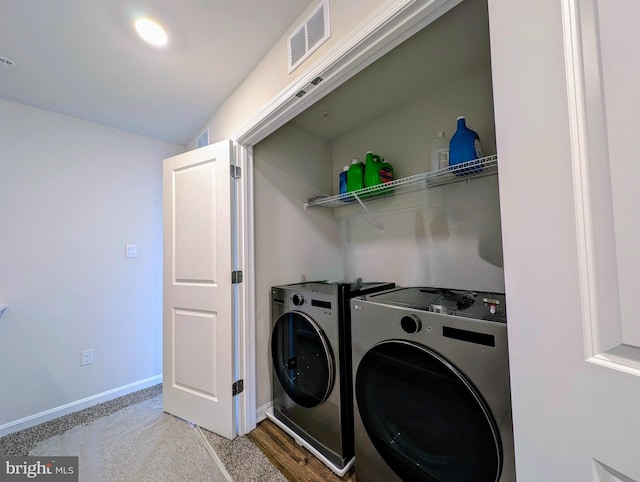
x=311, y=361
x=431, y=385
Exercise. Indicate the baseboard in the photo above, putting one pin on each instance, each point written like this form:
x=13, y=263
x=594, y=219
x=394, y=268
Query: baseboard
x=261, y=413
x=68, y=408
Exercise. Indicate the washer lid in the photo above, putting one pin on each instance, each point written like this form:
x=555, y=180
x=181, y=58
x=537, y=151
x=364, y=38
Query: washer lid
x=468, y=304
x=349, y=288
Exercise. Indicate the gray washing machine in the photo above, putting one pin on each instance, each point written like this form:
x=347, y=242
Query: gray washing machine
x=431, y=386
x=311, y=361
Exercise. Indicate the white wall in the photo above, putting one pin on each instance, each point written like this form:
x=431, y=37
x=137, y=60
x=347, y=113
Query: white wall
x=450, y=238
x=271, y=75
x=72, y=194
x=292, y=245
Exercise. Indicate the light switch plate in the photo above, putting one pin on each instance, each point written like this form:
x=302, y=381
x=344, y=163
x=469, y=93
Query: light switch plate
x=131, y=251
x=86, y=357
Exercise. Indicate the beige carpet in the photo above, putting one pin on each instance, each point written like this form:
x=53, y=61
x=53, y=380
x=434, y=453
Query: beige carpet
x=142, y=443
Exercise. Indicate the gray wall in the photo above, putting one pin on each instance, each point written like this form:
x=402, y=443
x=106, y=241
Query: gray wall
x=72, y=194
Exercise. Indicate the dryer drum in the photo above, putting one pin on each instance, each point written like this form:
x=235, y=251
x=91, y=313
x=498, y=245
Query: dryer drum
x=425, y=419
x=302, y=359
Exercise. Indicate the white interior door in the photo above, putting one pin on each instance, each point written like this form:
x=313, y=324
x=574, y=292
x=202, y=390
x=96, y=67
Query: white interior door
x=198, y=318
x=565, y=78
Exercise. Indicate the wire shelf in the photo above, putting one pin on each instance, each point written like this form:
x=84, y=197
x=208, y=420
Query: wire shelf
x=485, y=166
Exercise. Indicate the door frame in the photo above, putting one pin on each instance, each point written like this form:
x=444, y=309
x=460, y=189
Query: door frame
x=391, y=24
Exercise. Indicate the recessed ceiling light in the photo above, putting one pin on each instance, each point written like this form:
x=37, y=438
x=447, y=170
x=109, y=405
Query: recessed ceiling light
x=151, y=32
x=7, y=62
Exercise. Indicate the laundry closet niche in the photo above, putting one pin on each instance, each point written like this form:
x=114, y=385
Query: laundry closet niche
x=446, y=236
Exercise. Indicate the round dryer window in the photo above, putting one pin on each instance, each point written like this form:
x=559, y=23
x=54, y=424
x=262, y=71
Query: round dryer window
x=302, y=359
x=424, y=418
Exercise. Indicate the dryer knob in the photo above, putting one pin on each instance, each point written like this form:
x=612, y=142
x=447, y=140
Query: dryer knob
x=411, y=324
x=297, y=299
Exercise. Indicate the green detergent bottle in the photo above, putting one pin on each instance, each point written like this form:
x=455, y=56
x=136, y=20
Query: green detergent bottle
x=372, y=170
x=377, y=171
x=355, y=176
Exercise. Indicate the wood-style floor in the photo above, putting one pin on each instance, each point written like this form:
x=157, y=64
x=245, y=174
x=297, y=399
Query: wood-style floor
x=294, y=461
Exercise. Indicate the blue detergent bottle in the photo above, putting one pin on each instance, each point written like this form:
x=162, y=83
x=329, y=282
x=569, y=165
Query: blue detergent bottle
x=342, y=185
x=464, y=146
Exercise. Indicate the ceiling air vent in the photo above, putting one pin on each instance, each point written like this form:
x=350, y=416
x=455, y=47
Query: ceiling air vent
x=309, y=36
x=203, y=139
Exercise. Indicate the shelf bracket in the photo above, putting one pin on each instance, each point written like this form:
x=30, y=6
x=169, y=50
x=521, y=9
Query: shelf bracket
x=368, y=216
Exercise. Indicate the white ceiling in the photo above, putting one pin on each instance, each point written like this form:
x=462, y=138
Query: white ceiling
x=82, y=58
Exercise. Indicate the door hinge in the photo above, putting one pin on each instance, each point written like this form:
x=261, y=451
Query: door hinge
x=238, y=387
x=236, y=172
x=236, y=277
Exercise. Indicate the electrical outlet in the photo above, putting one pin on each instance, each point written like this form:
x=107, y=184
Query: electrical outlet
x=86, y=357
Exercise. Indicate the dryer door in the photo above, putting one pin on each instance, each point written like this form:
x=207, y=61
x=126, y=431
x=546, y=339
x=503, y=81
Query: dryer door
x=302, y=359
x=424, y=418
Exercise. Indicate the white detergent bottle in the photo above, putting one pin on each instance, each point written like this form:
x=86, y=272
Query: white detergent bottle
x=440, y=152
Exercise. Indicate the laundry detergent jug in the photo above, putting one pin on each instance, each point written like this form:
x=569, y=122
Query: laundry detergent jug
x=440, y=152
x=355, y=176
x=385, y=173
x=464, y=147
x=372, y=166
x=342, y=180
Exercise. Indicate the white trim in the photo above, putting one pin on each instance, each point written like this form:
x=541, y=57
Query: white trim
x=577, y=120
x=261, y=413
x=250, y=287
x=71, y=407
x=622, y=364
x=247, y=326
x=595, y=231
